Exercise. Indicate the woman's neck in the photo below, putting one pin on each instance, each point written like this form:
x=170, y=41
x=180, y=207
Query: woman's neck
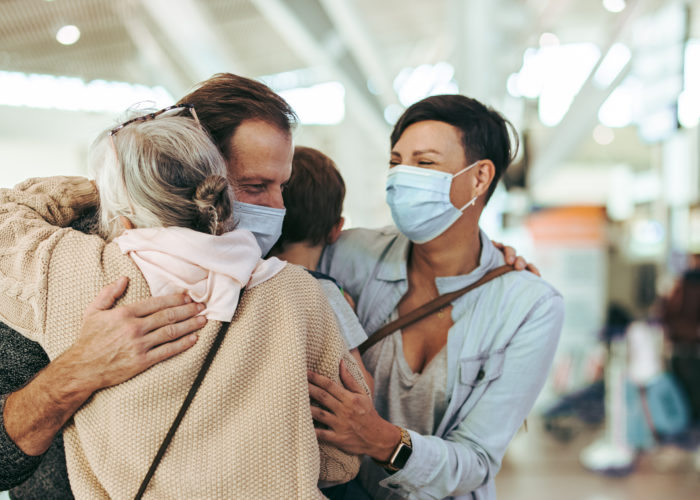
x=301, y=254
x=454, y=253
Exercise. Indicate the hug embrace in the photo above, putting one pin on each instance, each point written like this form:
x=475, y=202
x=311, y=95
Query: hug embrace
x=186, y=204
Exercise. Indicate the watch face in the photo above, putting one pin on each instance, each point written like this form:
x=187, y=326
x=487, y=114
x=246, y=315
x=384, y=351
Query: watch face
x=402, y=456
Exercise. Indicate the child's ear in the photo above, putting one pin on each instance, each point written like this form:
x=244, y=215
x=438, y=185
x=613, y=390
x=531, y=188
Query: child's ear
x=335, y=232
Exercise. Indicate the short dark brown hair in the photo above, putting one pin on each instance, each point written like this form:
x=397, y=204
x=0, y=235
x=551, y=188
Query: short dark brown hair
x=225, y=100
x=485, y=132
x=313, y=197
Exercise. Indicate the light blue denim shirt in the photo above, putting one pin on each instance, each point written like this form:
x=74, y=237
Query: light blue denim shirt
x=499, y=351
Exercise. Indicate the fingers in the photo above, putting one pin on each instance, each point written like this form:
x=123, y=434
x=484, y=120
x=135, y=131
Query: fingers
x=155, y=304
x=520, y=264
x=323, y=417
x=509, y=255
x=533, y=269
x=348, y=380
x=326, y=435
x=323, y=398
x=107, y=296
x=170, y=349
x=497, y=245
x=172, y=332
x=335, y=390
x=170, y=316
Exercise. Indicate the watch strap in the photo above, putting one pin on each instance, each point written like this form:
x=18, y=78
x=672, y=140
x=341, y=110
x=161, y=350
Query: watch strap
x=391, y=464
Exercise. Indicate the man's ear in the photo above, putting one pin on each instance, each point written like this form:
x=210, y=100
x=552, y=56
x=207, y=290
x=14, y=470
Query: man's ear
x=335, y=232
x=126, y=223
x=485, y=172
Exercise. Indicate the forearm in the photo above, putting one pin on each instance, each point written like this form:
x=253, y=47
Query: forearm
x=34, y=414
x=57, y=200
x=30, y=216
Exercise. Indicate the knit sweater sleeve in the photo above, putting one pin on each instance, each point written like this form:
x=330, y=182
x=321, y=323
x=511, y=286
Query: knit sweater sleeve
x=33, y=219
x=326, y=349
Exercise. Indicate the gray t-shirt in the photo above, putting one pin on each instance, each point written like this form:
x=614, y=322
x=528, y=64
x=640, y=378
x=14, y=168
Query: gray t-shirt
x=415, y=401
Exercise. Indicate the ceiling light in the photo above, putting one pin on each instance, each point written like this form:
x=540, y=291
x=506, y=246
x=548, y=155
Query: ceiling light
x=320, y=104
x=689, y=109
x=68, y=35
x=549, y=40
x=614, y=5
x=414, y=84
x=603, y=135
x=622, y=107
x=74, y=94
x=393, y=112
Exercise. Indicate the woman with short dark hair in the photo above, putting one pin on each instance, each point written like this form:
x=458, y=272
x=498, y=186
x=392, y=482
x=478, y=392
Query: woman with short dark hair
x=450, y=389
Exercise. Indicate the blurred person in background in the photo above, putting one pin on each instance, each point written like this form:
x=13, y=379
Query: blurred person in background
x=163, y=198
x=681, y=318
x=451, y=389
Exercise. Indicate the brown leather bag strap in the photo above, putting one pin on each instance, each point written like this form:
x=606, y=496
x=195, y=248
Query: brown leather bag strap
x=430, y=307
x=183, y=409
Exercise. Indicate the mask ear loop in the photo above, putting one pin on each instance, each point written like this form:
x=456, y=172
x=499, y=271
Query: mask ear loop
x=471, y=202
x=466, y=168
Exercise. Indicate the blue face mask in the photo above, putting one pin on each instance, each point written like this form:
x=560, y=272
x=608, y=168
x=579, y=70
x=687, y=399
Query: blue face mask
x=264, y=222
x=419, y=199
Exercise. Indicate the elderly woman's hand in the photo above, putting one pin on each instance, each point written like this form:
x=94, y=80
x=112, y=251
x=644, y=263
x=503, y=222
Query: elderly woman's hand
x=353, y=424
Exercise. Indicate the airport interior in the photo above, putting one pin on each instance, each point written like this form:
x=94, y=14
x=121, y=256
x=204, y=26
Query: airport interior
x=603, y=195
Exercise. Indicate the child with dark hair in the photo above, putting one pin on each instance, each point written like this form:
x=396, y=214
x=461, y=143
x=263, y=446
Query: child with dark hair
x=314, y=198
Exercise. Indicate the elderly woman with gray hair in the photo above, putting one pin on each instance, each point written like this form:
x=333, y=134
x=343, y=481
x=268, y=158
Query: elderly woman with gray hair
x=163, y=198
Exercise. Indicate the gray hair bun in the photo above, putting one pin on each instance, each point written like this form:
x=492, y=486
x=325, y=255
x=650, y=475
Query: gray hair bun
x=213, y=202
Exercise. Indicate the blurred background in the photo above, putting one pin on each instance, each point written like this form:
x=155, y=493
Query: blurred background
x=603, y=197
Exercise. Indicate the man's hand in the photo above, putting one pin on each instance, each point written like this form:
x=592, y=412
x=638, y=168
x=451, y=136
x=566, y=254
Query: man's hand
x=114, y=345
x=117, y=344
x=513, y=259
x=353, y=424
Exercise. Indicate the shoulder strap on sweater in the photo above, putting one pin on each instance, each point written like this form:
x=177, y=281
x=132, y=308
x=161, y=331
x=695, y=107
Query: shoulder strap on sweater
x=183, y=409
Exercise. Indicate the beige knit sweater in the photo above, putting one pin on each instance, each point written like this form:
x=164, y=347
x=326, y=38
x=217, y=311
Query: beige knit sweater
x=249, y=432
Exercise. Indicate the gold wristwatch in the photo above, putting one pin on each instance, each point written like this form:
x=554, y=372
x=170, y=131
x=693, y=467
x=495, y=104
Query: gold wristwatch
x=399, y=457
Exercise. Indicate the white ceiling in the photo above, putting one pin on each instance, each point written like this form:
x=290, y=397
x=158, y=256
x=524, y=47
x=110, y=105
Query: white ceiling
x=176, y=43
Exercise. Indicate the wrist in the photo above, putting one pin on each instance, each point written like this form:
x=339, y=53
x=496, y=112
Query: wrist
x=35, y=413
x=79, y=378
x=388, y=439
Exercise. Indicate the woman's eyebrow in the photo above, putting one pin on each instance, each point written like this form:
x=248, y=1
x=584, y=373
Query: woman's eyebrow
x=425, y=151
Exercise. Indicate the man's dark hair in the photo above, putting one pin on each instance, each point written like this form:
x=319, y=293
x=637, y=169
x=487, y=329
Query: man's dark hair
x=485, y=134
x=225, y=100
x=313, y=197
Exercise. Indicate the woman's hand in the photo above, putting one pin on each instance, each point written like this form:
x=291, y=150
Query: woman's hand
x=353, y=424
x=513, y=259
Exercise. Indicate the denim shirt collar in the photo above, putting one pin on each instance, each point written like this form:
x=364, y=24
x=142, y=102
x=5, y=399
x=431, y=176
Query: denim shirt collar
x=393, y=266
